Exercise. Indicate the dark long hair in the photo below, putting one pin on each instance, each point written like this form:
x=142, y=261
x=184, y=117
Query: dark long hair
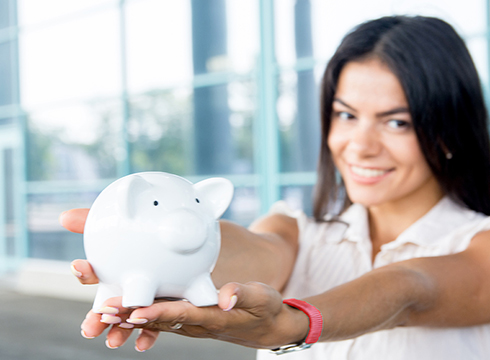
x=445, y=98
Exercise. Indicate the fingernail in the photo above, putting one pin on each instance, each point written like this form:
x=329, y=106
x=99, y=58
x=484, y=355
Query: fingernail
x=138, y=350
x=232, y=303
x=60, y=218
x=108, y=310
x=110, y=319
x=126, y=326
x=137, y=321
x=109, y=345
x=86, y=336
x=75, y=272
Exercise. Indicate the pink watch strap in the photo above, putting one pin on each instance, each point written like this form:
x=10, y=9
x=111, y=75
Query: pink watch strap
x=315, y=316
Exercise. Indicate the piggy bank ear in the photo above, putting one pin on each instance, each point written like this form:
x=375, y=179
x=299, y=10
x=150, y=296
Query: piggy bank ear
x=216, y=193
x=129, y=191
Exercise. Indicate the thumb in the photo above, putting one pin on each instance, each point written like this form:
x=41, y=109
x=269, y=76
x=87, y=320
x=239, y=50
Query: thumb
x=74, y=220
x=252, y=295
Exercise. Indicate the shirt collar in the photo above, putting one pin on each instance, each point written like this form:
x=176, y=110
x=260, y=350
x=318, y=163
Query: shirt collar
x=352, y=225
x=444, y=217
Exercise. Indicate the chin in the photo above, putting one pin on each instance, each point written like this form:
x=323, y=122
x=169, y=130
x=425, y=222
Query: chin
x=367, y=200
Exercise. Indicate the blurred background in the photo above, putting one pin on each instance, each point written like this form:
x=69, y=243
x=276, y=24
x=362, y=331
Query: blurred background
x=92, y=90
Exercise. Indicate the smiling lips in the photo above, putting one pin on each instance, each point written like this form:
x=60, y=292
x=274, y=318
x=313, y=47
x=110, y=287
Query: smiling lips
x=368, y=175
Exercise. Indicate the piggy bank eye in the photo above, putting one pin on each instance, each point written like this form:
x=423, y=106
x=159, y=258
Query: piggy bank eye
x=155, y=203
x=197, y=200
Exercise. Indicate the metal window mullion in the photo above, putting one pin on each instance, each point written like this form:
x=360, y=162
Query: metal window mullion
x=266, y=127
x=124, y=166
x=3, y=238
x=21, y=245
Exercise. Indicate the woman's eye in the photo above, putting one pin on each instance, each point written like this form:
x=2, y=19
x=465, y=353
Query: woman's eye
x=398, y=124
x=344, y=115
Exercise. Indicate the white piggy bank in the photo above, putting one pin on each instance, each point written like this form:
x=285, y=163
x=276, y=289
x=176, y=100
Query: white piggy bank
x=155, y=234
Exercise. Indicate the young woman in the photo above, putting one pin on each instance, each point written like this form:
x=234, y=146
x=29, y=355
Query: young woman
x=397, y=259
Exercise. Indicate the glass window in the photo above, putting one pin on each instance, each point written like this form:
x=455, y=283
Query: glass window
x=298, y=197
x=110, y=87
x=468, y=17
x=47, y=240
x=78, y=141
x=243, y=34
x=5, y=14
x=314, y=28
x=9, y=193
x=299, y=120
x=245, y=206
x=71, y=60
x=159, y=131
x=168, y=41
x=478, y=47
x=205, y=131
x=34, y=12
x=159, y=44
x=7, y=88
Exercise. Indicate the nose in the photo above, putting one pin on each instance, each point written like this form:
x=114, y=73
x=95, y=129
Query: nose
x=183, y=231
x=365, y=140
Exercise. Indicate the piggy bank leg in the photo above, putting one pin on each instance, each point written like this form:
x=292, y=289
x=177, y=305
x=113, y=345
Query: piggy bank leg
x=105, y=292
x=202, y=292
x=138, y=291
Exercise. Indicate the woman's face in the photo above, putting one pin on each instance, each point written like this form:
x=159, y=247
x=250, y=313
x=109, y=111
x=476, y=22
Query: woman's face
x=372, y=139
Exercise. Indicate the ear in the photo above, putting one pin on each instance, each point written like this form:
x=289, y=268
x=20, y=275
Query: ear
x=216, y=193
x=129, y=190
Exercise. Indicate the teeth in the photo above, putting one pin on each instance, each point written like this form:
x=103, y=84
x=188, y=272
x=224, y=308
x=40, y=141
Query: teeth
x=367, y=172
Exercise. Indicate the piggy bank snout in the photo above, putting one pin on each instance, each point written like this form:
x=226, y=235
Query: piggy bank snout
x=183, y=231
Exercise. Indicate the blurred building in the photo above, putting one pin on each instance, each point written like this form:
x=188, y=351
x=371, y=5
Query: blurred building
x=91, y=90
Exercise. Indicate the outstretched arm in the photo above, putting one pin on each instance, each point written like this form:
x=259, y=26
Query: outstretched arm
x=445, y=291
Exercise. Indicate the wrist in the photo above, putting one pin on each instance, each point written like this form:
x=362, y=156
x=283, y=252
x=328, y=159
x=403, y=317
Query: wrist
x=305, y=326
x=298, y=325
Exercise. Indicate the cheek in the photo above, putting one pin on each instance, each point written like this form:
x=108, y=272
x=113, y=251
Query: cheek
x=335, y=141
x=408, y=153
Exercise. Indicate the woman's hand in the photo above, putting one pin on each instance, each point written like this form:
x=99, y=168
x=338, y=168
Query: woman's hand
x=251, y=315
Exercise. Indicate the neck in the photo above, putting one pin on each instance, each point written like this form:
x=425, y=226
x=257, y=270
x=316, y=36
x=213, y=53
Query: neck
x=387, y=221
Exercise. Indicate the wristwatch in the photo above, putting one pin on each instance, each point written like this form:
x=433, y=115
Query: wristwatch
x=316, y=326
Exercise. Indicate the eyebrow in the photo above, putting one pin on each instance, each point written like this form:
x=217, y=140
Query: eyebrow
x=397, y=110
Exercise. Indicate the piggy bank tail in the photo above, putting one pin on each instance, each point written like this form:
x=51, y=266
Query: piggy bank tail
x=202, y=292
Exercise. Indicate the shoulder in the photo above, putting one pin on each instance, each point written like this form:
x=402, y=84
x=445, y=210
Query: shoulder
x=480, y=245
x=282, y=225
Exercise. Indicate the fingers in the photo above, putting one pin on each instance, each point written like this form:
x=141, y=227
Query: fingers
x=244, y=315
x=74, y=220
x=146, y=340
x=163, y=314
x=92, y=326
x=111, y=314
x=84, y=272
x=255, y=298
x=117, y=337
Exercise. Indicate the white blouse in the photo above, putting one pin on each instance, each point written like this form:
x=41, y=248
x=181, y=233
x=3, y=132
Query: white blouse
x=333, y=253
